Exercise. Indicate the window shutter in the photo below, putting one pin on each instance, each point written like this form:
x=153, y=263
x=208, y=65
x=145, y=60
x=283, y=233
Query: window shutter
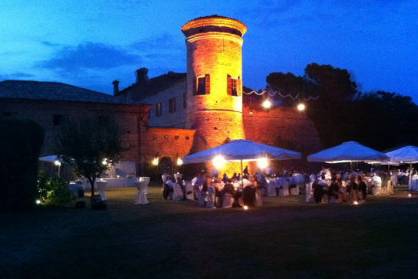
x=194, y=82
x=239, y=86
x=229, y=85
x=207, y=84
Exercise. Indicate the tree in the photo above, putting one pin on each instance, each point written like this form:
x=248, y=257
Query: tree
x=341, y=112
x=20, y=146
x=88, y=145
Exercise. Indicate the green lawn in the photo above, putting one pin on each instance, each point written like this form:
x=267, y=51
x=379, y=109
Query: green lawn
x=166, y=239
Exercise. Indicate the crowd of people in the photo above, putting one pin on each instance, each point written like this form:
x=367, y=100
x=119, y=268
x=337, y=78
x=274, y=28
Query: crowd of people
x=327, y=186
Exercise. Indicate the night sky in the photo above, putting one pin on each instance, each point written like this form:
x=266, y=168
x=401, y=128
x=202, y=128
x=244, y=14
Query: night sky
x=92, y=42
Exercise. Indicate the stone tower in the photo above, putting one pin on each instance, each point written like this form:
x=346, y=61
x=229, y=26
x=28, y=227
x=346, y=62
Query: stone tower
x=214, y=79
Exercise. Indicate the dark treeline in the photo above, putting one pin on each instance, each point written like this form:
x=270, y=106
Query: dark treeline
x=342, y=112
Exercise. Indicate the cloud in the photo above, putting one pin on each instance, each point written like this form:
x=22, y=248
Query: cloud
x=89, y=55
x=17, y=75
x=163, y=42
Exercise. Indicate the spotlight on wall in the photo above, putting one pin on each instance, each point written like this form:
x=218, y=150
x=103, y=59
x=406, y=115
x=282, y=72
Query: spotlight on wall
x=219, y=162
x=155, y=161
x=179, y=161
x=301, y=107
x=262, y=163
x=267, y=104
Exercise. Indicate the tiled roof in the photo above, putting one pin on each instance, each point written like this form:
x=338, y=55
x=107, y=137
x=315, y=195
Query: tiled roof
x=153, y=86
x=53, y=91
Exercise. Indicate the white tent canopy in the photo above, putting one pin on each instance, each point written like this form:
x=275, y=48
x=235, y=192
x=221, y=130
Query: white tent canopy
x=242, y=150
x=405, y=155
x=49, y=158
x=347, y=152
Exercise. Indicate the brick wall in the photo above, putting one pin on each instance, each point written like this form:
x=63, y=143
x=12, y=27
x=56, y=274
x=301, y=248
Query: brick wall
x=281, y=126
x=129, y=117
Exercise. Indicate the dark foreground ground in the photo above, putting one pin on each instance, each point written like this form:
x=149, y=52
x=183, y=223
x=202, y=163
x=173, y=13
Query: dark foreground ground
x=286, y=238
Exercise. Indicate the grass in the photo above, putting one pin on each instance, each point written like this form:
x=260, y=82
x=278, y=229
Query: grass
x=285, y=238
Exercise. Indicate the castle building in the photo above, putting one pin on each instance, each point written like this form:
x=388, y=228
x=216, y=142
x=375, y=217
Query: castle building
x=172, y=115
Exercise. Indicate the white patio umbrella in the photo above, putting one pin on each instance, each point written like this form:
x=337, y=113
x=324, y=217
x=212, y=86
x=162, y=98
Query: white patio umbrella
x=49, y=158
x=242, y=150
x=348, y=152
x=405, y=155
x=53, y=159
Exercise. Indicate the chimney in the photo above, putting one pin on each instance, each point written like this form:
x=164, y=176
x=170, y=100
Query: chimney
x=115, y=87
x=141, y=76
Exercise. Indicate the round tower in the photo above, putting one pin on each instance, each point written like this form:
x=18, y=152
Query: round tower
x=214, y=79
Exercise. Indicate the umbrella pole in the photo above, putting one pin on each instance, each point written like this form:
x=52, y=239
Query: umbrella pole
x=410, y=177
x=242, y=178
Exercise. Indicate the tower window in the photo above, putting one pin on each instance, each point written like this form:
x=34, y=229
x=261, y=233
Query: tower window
x=233, y=86
x=202, y=85
x=158, y=109
x=172, y=105
x=184, y=100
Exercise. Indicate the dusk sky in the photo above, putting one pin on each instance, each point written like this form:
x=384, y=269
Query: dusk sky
x=89, y=43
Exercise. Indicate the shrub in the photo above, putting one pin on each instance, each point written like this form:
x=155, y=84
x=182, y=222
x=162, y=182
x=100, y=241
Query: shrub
x=20, y=146
x=53, y=190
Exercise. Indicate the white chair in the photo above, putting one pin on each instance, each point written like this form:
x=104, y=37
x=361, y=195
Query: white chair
x=189, y=191
x=142, y=187
x=177, y=193
x=271, y=189
x=294, y=191
x=227, y=200
x=101, y=187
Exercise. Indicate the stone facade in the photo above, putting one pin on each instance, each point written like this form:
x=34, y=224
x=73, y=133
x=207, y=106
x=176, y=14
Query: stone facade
x=51, y=115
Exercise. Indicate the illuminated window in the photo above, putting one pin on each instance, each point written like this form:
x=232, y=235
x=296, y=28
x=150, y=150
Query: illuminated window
x=202, y=85
x=172, y=105
x=158, y=109
x=233, y=85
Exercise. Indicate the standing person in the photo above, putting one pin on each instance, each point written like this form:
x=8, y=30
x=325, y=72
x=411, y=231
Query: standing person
x=362, y=187
x=352, y=188
x=197, y=183
x=334, y=190
x=317, y=191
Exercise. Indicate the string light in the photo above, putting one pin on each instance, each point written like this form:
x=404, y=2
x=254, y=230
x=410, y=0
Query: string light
x=272, y=92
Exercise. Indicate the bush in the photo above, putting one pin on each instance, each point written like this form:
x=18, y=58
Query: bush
x=53, y=190
x=20, y=146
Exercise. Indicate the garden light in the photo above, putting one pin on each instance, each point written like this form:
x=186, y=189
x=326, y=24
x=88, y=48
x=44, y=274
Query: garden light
x=301, y=107
x=262, y=163
x=245, y=207
x=355, y=203
x=409, y=195
x=38, y=202
x=219, y=162
x=267, y=104
x=155, y=161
